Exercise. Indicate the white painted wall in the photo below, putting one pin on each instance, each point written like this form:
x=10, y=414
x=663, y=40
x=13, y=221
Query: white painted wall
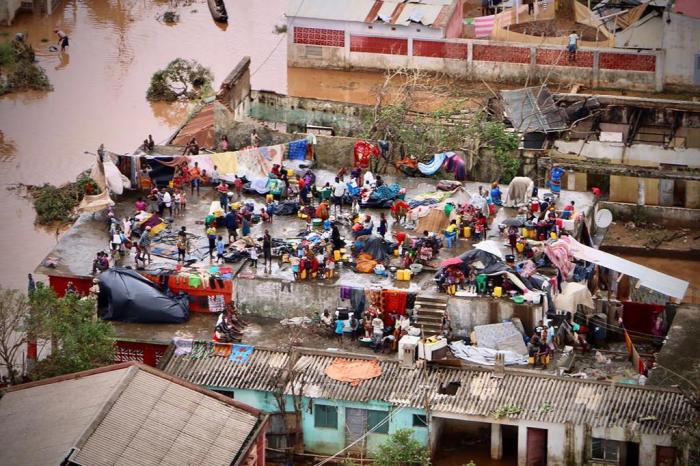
x=637, y=154
x=681, y=42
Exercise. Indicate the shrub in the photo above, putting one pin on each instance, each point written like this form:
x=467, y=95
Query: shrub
x=181, y=79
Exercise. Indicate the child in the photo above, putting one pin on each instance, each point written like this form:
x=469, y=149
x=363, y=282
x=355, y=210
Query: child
x=253, y=252
x=177, y=201
x=183, y=201
x=294, y=261
x=478, y=230
x=264, y=215
x=330, y=267
x=245, y=227
x=382, y=225
x=211, y=236
x=220, y=249
x=270, y=210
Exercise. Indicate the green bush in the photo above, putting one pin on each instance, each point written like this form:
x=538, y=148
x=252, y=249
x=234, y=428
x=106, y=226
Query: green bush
x=18, y=70
x=181, y=79
x=54, y=204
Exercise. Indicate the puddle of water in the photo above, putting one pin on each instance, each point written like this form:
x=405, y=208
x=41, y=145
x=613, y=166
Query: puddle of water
x=99, y=93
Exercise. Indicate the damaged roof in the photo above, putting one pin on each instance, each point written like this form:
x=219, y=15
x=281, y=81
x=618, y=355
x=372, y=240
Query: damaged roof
x=480, y=391
x=431, y=13
x=123, y=414
x=532, y=109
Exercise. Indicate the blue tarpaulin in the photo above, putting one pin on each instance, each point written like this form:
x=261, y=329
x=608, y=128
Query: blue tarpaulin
x=297, y=150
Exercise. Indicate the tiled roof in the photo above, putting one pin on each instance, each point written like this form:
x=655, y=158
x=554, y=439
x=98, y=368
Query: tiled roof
x=137, y=415
x=480, y=392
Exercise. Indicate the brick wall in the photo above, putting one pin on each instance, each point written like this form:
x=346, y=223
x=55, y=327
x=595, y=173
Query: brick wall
x=314, y=36
x=627, y=61
x=431, y=48
x=384, y=45
x=561, y=58
x=500, y=53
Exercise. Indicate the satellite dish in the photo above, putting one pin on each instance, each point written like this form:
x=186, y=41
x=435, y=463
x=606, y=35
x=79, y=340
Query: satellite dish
x=603, y=218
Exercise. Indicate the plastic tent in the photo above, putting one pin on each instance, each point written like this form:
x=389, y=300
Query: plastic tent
x=127, y=296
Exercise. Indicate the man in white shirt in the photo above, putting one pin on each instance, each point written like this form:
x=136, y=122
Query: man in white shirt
x=168, y=201
x=573, y=45
x=339, y=189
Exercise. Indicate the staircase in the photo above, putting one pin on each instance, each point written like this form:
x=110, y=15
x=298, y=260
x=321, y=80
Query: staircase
x=429, y=316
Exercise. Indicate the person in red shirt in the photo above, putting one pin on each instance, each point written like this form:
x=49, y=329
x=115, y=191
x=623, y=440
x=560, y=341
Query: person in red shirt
x=237, y=186
x=222, y=189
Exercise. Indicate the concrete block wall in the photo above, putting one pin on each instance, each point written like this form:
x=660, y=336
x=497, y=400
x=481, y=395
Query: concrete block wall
x=479, y=59
x=466, y=313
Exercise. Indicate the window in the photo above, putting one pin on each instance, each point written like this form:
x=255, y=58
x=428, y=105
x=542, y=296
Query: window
x=376, y=417
x=604, y=449
x=326, y=416
x=419, y=420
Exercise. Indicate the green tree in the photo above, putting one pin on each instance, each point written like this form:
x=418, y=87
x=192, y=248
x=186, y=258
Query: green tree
x=401, y=449
x=181, y=79
x=79, y=340
x=14, y=316
x=490, y=137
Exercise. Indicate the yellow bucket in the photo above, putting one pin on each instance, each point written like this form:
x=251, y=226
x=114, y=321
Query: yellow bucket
x=269, y=198
x=498, y=291
x=336, y=255
x=467, y=232
x=396, y=252
x=290, y=172
x=533, y=234
x=520, y=247
x=524, y=233
x=552, y=235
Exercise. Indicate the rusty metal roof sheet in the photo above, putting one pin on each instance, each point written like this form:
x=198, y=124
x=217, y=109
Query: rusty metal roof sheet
x=539, y=397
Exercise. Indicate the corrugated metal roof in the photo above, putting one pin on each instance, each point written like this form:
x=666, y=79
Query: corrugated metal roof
x=338, y=10
x=123, y=414
x=155, y=421
x=540, y=398
x=432, y=13
x=532, y=109
x=39, y=425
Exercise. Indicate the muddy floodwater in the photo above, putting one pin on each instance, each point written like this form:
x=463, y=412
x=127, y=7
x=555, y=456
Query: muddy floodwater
x=99, y=94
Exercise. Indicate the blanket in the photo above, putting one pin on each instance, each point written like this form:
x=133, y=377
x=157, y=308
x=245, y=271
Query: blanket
x=353, y=371
x=519, y=191
x=434, y=165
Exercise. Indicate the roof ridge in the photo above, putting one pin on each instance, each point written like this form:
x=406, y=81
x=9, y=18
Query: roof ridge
x=104, y=409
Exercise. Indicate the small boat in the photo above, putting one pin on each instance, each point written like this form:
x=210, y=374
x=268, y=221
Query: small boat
x=218, y=10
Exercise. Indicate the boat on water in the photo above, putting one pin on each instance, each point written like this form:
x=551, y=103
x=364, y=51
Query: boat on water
x=218, y=10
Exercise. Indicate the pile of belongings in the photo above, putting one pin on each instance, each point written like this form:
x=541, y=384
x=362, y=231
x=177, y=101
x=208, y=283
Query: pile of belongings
x=230, y=326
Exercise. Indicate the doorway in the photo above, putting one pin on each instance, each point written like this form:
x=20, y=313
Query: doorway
x=355, y=425
x=536, y=447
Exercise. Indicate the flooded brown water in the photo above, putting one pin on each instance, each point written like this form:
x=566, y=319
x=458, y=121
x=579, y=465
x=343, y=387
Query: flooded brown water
x=99, y=89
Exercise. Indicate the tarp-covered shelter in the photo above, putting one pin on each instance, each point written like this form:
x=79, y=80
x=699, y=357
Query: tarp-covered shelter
x=127, y=296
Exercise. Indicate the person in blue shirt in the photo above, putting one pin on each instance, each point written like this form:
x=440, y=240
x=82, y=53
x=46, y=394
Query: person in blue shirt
x=231, y=221
x=496, y=194
x=339, y=326
x=220, y=249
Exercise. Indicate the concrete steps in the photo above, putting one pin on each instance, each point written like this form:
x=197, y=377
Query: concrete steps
x=429, y=315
